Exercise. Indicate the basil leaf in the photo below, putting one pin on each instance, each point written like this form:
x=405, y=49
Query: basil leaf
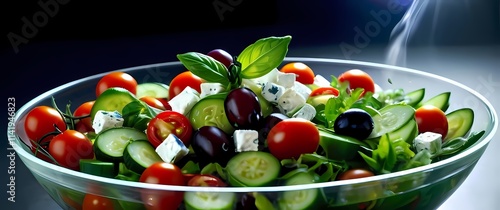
x=205, y=67
x=263, y=56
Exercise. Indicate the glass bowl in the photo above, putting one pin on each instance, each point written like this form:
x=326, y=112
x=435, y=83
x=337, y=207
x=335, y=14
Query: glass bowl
x=425, y=187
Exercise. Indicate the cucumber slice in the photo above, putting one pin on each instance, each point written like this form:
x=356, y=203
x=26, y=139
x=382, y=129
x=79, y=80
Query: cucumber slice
x=209, y=200
x=112, y=99
x=408, y=132
x=210, y=112
x=339, y=147
x=300, y=199
x=110, y=144
x=98, y=168
x=139, y=155
x=153, y=89
x=459, y=122
x=391, y=118
x=415, y=97
x=253, y=169
x=441, y=101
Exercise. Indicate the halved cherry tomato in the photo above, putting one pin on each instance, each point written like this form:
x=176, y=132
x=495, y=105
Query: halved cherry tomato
x=85, y=124
x=205, y=180
x=431, y=119
x=96, y=202
x=116, y=79
x=358, y=79
x=154, y=102
x=305, y=74
x=292, y=137
x=355, y=173
x=168, y=122
x=183, y=80
x=324, y=91
x=69, y=147
x=162, y=173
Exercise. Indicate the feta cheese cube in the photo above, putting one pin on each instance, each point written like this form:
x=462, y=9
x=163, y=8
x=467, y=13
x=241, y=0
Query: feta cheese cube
x=286, y=80
x=321, y=81
x=104, y=120
x=210, y=88
x=306, y=112
x=290, y=102
x=269, y=77
x=183, y=102
x=428, y=141
x=272, y=92
x=301, y=89
x=171, y=149
x=246, y=140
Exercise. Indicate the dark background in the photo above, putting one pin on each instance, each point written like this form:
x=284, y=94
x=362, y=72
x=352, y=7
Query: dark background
x=83, y=38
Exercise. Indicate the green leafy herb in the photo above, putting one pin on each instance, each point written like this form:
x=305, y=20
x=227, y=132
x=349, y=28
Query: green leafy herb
x=137, y=114
x=338, y=105
x=327, y=169
x=205, y=67
x=458, y=144
x=191, y=168
x=263, y=56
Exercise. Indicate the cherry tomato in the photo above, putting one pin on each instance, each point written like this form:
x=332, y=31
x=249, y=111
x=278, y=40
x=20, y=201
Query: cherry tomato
x=96, y=202
x=183, y=80
x=206, y=180
x=355, y=173
x=85, y=124
x=168, y=122
x=324, y=91
x=69, y=147
x=358, y=79
x=154, y=102
x=162, y=173
x=305, y=74
x=292, y=137
x=116, y=79
x=431, y=119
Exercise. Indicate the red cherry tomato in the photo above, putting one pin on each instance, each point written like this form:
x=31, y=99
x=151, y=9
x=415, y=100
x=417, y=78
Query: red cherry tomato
x=206, y=180
x=168, y=122
x=154, y=102
x=324, y=91
x=116, y=79
x=85, y=124
x=431, y=119
x=162, y=173
x=95, y=202
x=355, y=173
x=305, y=74
x=69, y=147
x=292, y=137
x=358, y=79
x=183, y=80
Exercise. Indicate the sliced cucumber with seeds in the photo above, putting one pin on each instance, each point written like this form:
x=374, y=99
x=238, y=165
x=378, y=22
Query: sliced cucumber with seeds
x=112, y=99
x=153, y=89
x=415, y=97
x=391, y=118
x=253, y=169
x=139, y=155
x=441, y=101
x=301, y=199
x=459, y=122
x=209, y=200
x=110, y=144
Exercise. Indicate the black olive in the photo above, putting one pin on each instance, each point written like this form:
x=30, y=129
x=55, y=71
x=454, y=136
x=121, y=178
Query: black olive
x=356, y=123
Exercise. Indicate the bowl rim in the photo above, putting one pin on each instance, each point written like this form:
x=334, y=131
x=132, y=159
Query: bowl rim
x=360, y=181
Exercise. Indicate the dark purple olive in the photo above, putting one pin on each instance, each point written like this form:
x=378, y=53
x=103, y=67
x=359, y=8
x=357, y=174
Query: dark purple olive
x=211, y=144
x=356, y=123
x=242, y=108
x=221, y=56
x=246, y=202
x=269, y=122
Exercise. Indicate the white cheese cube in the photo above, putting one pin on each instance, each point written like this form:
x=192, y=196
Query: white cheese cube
x=286, y=80
x=272, y=92
x=104, y=120
x=171, y=149
x=183, y=102
x=210, y=88
x=246, y=140
x=321, y=81
x=306, y=112
x=302, y=89
x=290, y=102
x=428, y=141
x=269, y=77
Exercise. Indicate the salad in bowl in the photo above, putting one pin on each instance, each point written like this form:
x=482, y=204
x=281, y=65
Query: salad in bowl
x=254, y=131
